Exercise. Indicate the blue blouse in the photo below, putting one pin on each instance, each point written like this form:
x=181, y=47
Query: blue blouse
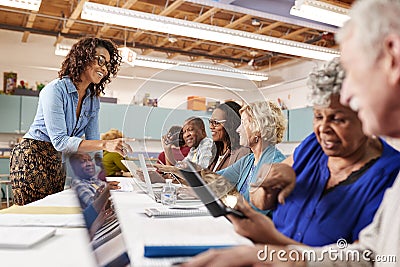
x=315, y=217
x=239, y=173
x=56, y=121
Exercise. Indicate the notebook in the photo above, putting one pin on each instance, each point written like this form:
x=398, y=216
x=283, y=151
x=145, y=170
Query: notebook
x=156, y=195
x=24, y=237
x=173, y=213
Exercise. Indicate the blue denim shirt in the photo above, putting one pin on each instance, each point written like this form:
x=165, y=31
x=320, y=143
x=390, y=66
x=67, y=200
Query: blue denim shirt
x=56, y=121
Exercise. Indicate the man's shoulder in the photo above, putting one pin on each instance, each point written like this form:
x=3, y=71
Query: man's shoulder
x=206, y=142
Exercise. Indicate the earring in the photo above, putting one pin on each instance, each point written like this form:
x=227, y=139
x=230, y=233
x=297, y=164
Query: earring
x=256, y=139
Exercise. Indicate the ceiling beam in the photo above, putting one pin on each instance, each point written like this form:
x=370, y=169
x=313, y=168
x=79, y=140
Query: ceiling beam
x=75, y=14
x=171, y=8
x=295, y=33
x=238, y=21
x=29, y=24
x=206, y=15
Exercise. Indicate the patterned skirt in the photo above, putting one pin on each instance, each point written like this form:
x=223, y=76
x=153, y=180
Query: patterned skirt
x=36, y=171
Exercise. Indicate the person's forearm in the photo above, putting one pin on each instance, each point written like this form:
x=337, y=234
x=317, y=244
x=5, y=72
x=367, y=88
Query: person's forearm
x=169, y=155
x=280, y=239
x=91, y=145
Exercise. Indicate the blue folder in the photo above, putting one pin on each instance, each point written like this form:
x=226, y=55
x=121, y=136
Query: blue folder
x=177, y=251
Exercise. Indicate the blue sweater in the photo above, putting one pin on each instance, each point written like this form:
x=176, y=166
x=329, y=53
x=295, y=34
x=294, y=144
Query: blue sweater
x=240, y=170
x=315, y=217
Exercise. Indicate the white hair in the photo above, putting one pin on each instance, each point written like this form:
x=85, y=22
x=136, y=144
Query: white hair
x=266, y=118
x=325, y=82
x=374, y=20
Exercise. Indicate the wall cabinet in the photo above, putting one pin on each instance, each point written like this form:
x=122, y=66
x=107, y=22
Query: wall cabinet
x=300, y=123
x=18, y=112
x=28, y=111
x=143, y=122
x=10, y=110
x=4, y=165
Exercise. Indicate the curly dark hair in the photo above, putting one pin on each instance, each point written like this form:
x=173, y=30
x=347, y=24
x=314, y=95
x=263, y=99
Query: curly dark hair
x=82, y=54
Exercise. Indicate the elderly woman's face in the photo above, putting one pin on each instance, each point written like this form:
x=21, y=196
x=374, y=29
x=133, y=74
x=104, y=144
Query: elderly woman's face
x=338, y=129
x=247, y=137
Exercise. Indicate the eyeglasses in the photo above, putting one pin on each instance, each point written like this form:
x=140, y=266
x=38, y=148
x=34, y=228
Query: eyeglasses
x=216, y=123
x=101, y=61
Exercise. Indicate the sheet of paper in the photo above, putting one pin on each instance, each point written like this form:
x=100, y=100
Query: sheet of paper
x=54, y=220
x=24, y=237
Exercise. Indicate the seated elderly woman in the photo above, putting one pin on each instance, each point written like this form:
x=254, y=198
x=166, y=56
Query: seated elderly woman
x=262, y=127
x=342, y=175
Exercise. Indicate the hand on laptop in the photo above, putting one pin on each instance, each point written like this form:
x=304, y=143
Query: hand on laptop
x=114, y=185
x=155, y=177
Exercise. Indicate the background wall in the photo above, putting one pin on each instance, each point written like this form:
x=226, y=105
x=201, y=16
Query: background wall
x=35, y=61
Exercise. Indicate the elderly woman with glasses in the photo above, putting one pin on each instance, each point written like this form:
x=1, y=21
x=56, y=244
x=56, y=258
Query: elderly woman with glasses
x=223, y=124
x=68, y=109
x=261, y=128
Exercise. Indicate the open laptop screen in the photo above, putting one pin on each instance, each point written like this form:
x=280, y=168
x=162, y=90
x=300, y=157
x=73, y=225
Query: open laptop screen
x=98, y=210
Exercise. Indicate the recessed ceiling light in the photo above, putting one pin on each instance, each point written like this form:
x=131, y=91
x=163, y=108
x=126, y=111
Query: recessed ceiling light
x=253, y=53
x=255, y=22
x=172, y=39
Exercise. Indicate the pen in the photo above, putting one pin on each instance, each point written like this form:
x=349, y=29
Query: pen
x=178, y=263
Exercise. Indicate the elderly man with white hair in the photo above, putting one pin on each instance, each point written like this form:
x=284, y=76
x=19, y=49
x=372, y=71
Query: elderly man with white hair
x=370, y=46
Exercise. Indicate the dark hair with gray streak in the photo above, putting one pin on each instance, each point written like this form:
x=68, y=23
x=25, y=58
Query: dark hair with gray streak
x=325, y=82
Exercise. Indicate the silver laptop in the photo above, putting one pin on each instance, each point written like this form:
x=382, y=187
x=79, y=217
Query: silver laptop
x=156, y=195
x=131, y=166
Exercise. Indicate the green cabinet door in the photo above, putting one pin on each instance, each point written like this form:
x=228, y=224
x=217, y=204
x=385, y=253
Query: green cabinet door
x=28, y=111
x=111, y=116
x=300, y=123
x=4, y=166
x=142, y=122
x=10, y=111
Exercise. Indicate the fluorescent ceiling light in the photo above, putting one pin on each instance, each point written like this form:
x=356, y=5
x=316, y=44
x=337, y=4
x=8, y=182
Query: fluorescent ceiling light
x=207, y=69
x=23, y=4
x=151, y=22
x=193, y=84
x=320, y=11
x=130, y=57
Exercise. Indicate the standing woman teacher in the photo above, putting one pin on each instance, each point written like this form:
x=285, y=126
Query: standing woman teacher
x=68, y=109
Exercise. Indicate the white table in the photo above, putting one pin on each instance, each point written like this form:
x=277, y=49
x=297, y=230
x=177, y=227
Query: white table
x=70, y=246
x=138, y=229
